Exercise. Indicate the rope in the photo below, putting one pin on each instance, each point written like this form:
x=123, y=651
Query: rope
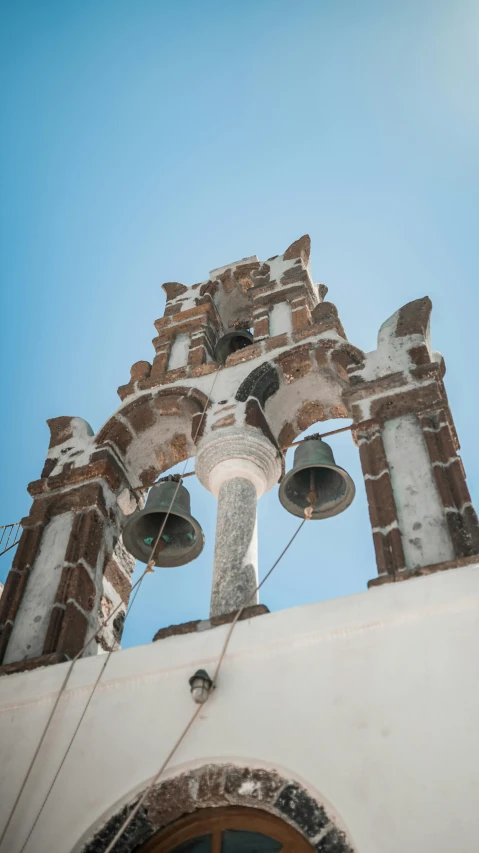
x=188, y=726
x=102, y=670
x=240, y=611
x=52, y=714
x=151, y=561
x=148, y=569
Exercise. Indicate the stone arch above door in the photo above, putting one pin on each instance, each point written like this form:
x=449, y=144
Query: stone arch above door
x=221, y=786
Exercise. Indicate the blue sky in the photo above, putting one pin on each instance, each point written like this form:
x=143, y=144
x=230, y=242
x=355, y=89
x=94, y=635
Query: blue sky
x=150, y=141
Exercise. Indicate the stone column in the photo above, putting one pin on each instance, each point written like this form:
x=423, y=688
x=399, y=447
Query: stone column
x=235, y=573
x=237, y=466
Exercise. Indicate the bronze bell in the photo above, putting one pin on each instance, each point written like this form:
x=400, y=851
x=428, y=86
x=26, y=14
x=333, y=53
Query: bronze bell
x=232, y=342
x=182, y=539
x=316, y=484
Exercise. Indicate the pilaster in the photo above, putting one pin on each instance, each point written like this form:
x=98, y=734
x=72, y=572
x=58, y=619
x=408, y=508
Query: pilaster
x=56, y=591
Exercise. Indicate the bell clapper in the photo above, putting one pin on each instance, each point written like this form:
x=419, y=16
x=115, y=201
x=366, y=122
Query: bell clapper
x=312, y=495
x=160, y=546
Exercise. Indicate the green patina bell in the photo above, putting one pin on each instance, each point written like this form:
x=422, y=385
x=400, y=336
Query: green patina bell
x=232, y=342
x=316, y=484
x=182, y=539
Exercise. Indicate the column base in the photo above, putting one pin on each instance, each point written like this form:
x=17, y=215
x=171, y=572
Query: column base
x=421, y=571
x=213, y=622
x=32, y=663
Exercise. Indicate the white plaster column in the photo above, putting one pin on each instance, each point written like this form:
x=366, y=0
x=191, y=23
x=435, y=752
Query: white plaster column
x=31, y=621
x=237, y=466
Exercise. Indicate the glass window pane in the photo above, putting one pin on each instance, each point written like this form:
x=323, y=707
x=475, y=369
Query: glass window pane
x=240, y=841
x=195, y=845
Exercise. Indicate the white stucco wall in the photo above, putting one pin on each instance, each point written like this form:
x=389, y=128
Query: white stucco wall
x=370, y=701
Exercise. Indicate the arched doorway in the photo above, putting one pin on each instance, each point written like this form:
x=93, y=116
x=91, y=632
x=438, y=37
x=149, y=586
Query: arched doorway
x=228, y=830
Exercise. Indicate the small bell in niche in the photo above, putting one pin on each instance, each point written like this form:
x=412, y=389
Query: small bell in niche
x=316, y=487
x=182, y=539
x=232, y=342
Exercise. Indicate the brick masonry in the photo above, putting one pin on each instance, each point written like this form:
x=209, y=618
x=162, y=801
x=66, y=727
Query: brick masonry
x=451, y=481
x=199, y=625
x=381, y=500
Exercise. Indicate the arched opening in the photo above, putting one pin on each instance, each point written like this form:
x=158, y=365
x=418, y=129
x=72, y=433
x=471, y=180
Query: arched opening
x=155, y=431
x=235, y=829
x=232, y=342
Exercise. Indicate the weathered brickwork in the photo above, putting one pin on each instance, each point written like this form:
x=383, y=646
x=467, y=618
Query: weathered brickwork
x=381, y=500
x=451, y=482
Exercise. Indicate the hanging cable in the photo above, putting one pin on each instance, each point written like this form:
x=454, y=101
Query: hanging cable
x=240, y=611
x=93, y=635
x=188, y=726
x=320, y=435
x=62, y=762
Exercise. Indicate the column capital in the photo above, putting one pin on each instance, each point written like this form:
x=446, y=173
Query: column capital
x=237, y=452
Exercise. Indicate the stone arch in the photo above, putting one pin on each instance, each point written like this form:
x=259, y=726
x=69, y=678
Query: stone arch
x=154, y=431
x=220, y=786
x=314, y=386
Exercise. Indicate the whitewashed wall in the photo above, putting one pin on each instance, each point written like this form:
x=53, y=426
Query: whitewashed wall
x=370, y=701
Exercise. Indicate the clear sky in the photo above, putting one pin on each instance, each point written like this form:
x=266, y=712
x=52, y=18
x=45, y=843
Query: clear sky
x=148, y=141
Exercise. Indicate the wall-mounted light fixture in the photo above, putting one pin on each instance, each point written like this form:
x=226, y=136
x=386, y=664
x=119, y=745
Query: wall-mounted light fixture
x=200, y=686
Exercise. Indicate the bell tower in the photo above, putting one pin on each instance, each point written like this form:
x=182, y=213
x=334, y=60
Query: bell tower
x=244, y=362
